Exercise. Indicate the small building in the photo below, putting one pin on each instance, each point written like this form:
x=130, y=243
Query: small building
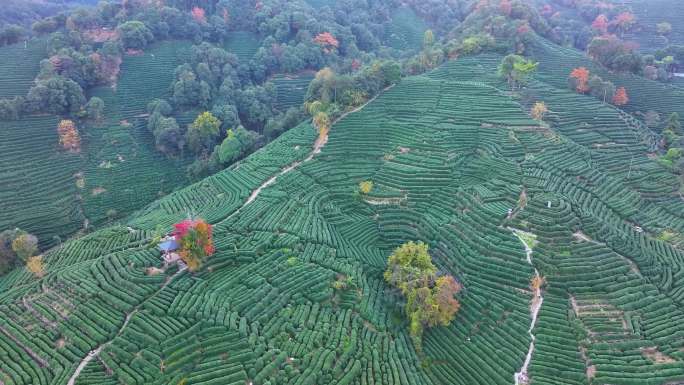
x=168, y=245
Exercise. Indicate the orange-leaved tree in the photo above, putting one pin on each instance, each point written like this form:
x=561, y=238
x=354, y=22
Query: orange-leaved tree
x=35, y=266
x=581, y=79
x=327, y=41
x=195, y=242
x=620, y=98
x=68, y=136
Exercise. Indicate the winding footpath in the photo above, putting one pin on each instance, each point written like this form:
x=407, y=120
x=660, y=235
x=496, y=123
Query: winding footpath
x=522, y=377
x=317, y=147
x=96, y=352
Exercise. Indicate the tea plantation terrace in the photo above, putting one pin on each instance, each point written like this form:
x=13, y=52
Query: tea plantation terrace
x=449, y=153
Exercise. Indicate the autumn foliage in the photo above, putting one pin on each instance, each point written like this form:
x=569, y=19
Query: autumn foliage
x=581, y=76
x=195, y=242
x=538, y=111
x=430, y=297
x=327, y=41
x=600, y=24
x=68, y=136
x=322, y=121
x=537, y=282
x=199, y=15
x=620, y=98
x=624, y=21
x=35, y=266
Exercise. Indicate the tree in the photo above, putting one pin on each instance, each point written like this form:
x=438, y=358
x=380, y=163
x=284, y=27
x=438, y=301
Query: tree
x=203, y=132
x=581, y=79
x=430, y=299
x=237, y=144
x=674, y=124
x=505, y=7
x=624, y=21
x=664, y=28
x=322, y=122
x=57, y=95
x=600, y=24
x=95, y=108
x=538, y=111
x=7, y=255
x=672, y=130
x=366, y=187
x=35, y=266
x=327, y=41
x=446, y=289
x=25, y=246
x=199, y=15
x=11, y=34
x=605, y=49
x=68, y=136
x=135, y=35
x=516, y=69
x=169, y=138
x=600, y=89
x=45, y=26
x=620, y=98
x=428, y=39
x=195, y=242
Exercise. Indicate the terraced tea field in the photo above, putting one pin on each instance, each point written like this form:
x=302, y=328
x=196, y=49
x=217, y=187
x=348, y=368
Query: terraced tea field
x=291, y=90
x=123, y=171
x=449, y=153
x=19, y=65
x=243, y=44
x=406, y=30
x=54, y=194
x=38, y=189
x=645, y=95
x=651, y=12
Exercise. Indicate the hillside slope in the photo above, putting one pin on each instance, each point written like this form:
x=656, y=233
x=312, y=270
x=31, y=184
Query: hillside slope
x=54, y=194
x=449, y=153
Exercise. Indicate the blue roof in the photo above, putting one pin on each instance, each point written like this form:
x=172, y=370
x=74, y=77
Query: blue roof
x=168, y=245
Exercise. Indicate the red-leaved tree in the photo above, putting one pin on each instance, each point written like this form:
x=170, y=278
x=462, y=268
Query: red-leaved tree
x=195, y=240
x=620, y=98
x=199, y=15
x=581, y=78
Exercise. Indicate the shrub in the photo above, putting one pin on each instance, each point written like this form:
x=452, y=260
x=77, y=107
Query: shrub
x=366, y=187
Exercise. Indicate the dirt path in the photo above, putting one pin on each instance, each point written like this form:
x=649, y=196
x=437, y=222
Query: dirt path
x=96, y=352
x=522, y=377
x=317, y=147
x=28, y=350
